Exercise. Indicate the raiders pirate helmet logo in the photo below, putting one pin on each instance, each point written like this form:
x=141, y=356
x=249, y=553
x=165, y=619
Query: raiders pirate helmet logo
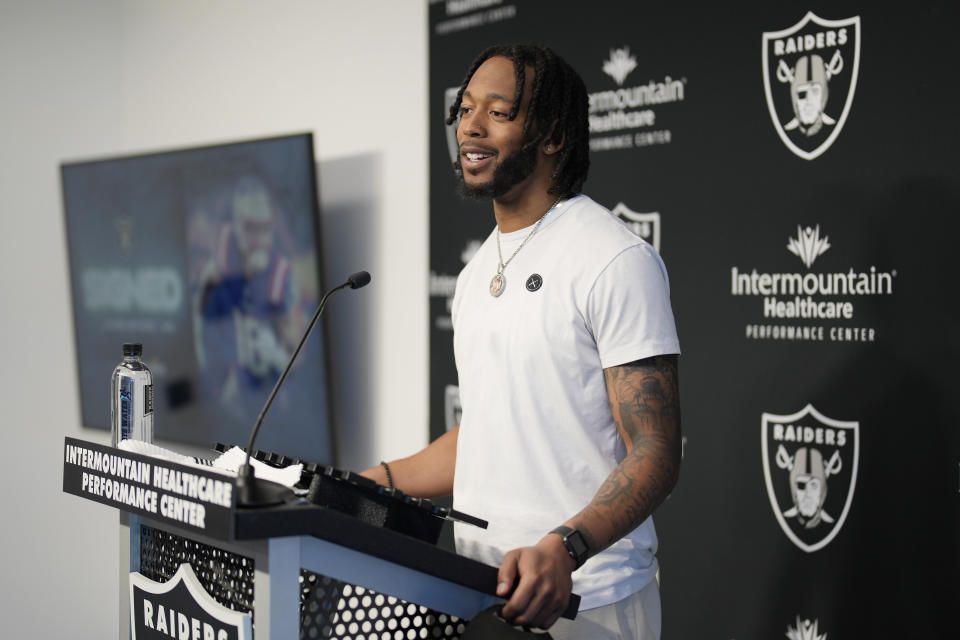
x=645, y=225
x=453, y=147
x=809, y=76
x=810, y=467
x=452, y=409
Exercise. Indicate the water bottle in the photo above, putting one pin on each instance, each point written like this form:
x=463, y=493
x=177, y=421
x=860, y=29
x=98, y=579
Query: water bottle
x=131, y=398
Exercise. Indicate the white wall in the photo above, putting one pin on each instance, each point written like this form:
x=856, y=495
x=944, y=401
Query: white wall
x=102, y=77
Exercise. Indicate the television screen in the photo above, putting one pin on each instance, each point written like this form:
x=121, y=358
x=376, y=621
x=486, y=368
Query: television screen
x=209, y=257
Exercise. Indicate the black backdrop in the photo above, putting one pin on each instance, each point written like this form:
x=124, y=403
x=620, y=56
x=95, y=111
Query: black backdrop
x=858, y=212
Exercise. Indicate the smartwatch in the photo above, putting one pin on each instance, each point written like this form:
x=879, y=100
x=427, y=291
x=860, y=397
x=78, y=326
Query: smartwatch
x=576, y=546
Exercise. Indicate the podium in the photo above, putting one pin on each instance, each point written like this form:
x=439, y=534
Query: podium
x=290, y=571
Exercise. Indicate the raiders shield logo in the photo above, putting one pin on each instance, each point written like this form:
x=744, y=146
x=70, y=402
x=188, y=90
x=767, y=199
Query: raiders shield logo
x=453, y=147
x=181, y=608
x=452, y=409
x=809, y=76
x=645, y=225
x=124, y=228
x=810, y=467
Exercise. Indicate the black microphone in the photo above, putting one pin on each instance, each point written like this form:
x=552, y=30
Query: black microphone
x=253, y=494
x=359, y=279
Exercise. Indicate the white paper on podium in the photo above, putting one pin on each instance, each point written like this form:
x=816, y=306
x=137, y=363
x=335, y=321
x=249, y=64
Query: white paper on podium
x=232, y=459
x=227, y=463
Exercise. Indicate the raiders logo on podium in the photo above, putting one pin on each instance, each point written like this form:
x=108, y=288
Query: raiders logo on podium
x=182, y=608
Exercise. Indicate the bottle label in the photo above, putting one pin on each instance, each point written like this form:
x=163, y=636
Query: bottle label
x=126, y=407
x=147, y=399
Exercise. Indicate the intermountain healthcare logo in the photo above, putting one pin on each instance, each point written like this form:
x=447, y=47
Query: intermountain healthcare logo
x=809, y=76
x=625, y=117
x=645, y=225
x=472, y=14
x=808, y=245
x=804, y=454
x=443, y=285
x=805, y=630
x=620, y=64
x=794, y=300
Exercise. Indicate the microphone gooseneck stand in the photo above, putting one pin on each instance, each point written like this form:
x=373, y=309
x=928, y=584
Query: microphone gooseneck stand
x=263, y=493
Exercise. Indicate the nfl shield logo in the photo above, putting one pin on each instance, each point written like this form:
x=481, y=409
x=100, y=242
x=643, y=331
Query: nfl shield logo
x=809, y=76
x=645, y=225
x=810, y=467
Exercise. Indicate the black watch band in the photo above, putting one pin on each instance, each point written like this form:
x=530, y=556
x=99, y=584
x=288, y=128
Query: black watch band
x=576, y=546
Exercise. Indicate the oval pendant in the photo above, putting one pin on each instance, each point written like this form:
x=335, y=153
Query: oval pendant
x=497, y=283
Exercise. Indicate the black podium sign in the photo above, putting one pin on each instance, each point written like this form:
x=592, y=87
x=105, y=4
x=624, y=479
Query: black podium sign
x=181, y=608
x=190, y=497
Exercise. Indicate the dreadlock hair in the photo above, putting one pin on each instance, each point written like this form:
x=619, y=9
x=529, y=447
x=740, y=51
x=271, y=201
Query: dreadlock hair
x=558, y=109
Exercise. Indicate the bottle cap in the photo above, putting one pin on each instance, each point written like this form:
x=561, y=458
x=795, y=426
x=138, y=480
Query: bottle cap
x=132, y=348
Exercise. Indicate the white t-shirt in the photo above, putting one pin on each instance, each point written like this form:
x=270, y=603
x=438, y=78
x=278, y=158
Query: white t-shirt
x=537, y=438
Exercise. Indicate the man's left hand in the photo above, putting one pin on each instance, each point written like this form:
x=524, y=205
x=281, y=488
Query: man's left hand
x=544, y=586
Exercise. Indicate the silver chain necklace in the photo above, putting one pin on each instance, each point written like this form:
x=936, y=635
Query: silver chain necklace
x=499, y=282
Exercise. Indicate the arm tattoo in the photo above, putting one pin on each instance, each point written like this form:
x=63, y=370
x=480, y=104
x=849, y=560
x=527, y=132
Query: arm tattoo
x=645, y=402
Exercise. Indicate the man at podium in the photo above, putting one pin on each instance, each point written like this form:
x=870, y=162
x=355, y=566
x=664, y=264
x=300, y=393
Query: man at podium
x=566, y=352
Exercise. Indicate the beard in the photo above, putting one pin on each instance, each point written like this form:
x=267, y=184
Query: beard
x=514, y=169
